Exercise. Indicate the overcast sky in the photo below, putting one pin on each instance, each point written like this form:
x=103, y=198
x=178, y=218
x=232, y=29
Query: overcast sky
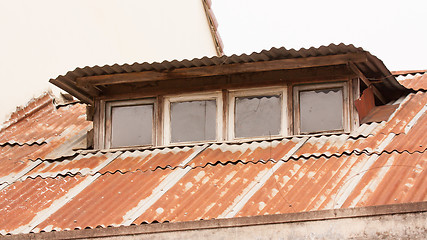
x=394, y=31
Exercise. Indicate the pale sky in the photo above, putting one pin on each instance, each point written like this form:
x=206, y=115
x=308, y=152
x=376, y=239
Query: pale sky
x=393, y=30
x=42, y=39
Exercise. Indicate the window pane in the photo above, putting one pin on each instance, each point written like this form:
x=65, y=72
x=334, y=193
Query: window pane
x=193, y=121
x=131, y=125
x=257, y=116
x=321, y=110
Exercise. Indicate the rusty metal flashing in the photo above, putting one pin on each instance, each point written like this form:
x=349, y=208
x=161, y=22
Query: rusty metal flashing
x=213, y=26
x=368, y=83
x=361, y=212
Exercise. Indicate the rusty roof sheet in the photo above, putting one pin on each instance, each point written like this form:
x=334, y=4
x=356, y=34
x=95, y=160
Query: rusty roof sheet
x=54, y=189
x=108, y=201
x=14, y=161
x=44, y=126
x=150, y=159
x=417, y=81
x=23, y=204
x=82, y=164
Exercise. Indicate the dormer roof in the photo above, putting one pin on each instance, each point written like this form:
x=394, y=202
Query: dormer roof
x=90, y=82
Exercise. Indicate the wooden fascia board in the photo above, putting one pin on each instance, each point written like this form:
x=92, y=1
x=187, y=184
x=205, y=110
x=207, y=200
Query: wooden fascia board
x=368, y=83
x=76, y=92
x=196, y=72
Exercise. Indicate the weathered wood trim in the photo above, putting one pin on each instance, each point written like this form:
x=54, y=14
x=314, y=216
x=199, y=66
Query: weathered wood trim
x=368, y=83
x=217, y=96
x=195, y=72
x=346, y=104
x=233, y=94
x=216, y=83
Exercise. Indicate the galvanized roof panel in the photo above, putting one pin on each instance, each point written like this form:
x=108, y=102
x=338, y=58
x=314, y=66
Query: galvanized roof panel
x=415, y=80
x=150, y=159
x=46, y=124
x=205, y=193
x=392, y=178
x=82, y=164
x=379, y=163
x=106, y=201
x=22, y=202
x=14, y=160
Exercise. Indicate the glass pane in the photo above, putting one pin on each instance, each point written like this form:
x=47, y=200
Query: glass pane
x=193, y=121
x=257, y=116
x=321, y=110
x=131, y=125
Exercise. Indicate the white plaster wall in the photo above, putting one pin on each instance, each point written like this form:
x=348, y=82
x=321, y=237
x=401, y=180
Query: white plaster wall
x=400, y=226
x=46, y=38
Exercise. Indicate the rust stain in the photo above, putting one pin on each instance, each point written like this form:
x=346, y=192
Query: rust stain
x=203, y=193
x=148, y=160
x=416, y=82
x=365, y=103
x=20, y=202
x=14, y=159
x=383, y=164
x=106, y=201
x=83, y=164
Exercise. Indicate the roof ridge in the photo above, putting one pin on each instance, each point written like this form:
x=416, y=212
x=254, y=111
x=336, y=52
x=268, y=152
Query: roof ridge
x=32, y=106
x=408, y=72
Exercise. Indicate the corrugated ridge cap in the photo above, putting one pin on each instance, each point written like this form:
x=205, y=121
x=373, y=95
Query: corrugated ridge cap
x=32, y=106
x=415, y=80
x=264, y=55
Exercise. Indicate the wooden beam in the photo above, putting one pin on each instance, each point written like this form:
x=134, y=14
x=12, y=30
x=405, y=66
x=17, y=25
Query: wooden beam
x=214, y=83
x=368, y=83
x=85, y=97
x=196, y=72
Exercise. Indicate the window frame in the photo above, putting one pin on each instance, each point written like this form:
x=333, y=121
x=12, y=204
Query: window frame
x=320, y=86
x=254, y=92
x=123, y=103
x=204, y=96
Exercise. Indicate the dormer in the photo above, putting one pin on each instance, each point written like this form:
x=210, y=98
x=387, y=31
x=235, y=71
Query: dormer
x=271, y=94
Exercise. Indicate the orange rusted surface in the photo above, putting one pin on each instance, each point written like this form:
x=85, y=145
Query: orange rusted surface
x=365, y=103
x=21, y=202
x=52, y=187
x=416, y=82
x=149, y=159
x=392, y=178
x=14, y=159
x=245, y=152
x=46, y=124
x=205, y=193
x=107, y=201
x=82, y=164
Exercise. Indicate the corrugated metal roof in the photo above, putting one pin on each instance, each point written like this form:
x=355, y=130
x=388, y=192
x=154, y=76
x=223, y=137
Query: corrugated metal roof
x=416, y=81
x=23, y=202
x=372, y=68
x=106, y=201
x=379, y=163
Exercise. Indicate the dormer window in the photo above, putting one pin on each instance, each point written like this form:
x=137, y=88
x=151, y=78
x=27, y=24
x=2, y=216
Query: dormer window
x=270, y=94
x=321, y=108
x=193, y=118
x=227, y=115
x=257, y=113
x=129, y=123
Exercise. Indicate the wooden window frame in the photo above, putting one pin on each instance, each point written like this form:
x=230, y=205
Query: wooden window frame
x=320, y=86
x=253, y=92
x=167, y=100
x=108, y=105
